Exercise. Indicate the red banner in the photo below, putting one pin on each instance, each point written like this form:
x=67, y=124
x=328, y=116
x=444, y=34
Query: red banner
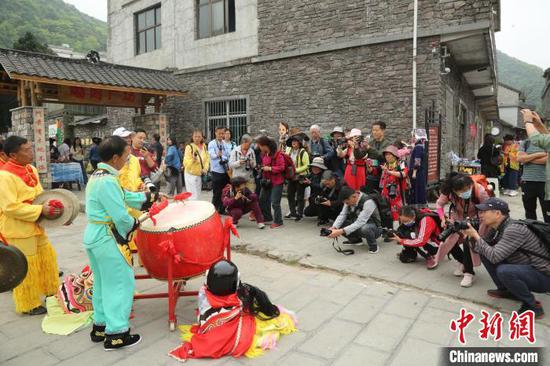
x=433, y=154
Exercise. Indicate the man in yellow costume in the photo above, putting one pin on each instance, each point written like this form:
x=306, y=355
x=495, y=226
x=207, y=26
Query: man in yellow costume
x=129, y=176
x=20, y=185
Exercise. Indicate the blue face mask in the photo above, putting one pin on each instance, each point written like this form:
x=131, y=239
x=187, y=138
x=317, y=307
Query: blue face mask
x=466, y=195
x=409, y=224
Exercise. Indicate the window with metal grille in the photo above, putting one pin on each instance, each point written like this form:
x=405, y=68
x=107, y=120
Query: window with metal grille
x=215, y=17
x=147, y=24
x=231, y=113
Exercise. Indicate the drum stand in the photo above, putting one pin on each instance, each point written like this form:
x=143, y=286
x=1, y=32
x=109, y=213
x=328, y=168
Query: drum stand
x=175, y=289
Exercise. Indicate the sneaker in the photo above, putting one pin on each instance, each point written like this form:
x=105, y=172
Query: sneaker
x=98, y=333
x=467, y=280
x=39, y=310
x=431, y=263
x=275, y=226
x=506, y=192
x=501, y=294
x=290, y=215
x=513, y=193
x=261, y=225
x=459, y=271
x=373, y=250
x=298, y=218
x=120, y=340
x=537, y=309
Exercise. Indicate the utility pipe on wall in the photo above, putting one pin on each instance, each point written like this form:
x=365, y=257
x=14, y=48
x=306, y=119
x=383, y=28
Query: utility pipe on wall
x=415, y=34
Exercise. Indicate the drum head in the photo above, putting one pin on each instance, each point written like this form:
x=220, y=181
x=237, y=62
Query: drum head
x=13, y=267
x=179, y=216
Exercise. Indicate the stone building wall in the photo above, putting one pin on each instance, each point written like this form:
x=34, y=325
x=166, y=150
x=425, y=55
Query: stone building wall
x=351, y=88
x=289, y=26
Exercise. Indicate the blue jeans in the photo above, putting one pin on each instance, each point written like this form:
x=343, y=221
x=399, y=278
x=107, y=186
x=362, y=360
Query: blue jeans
x=519, y=279
x=272, y=195
x=368, y=231
x=510, y=179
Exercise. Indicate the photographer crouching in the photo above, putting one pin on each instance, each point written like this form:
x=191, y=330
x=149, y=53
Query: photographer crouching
x=326, y=204
x=416, y=232
x=239, y=200
x=358, y=219
x=514, y=256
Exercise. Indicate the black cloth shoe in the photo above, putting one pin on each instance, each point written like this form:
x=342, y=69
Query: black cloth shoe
x=98, y=333
x=120, y=340
x=322, y=222
x=39, y=310
x=537, y=309
x=290, y=215
x=353, y=241
x=298, y=218
x=501, y=294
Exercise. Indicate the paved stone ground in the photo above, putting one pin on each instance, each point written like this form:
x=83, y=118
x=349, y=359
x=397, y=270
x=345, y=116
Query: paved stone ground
x=391, y=314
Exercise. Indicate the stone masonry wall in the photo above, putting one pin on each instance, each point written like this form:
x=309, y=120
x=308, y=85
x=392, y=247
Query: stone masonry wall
x=292, y=25
x=351, y=88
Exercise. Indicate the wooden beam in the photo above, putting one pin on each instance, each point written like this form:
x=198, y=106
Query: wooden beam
x=23, y=87
x=41, y=79
x=34, y=102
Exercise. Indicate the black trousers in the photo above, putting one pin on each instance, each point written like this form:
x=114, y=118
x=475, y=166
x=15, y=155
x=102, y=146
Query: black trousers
x=533, y=191
x=219, y=181
x=295, y=193
x=324, y=213
x=425, y=251
x=463, y=256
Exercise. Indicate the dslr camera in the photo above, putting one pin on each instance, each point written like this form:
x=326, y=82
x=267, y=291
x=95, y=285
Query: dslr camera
x=325, y=232
x=319, y=199
x=392, y=190
x=389, y=232
x=456, y=227
x=266, y=183
x=149, y=184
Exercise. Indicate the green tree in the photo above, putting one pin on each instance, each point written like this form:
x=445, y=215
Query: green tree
x=30, y=43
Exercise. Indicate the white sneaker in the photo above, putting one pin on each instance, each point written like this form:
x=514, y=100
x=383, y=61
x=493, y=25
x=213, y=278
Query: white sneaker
x=467, y=280
x=261, y=225
x=506, y=192
x=513, y=193
x=459, y=271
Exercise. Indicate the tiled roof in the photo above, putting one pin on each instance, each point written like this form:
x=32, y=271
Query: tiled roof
x=82, y=70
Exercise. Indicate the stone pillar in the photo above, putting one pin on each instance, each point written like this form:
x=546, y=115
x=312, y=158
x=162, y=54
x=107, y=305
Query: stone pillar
x=28, y=122
x=153, y=123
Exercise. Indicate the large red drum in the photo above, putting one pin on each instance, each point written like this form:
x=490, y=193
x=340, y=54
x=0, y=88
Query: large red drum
x=190, y=231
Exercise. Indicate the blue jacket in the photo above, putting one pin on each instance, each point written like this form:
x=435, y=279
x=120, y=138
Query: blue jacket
x=173, y=157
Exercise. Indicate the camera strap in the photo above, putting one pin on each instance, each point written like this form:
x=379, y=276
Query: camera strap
x=340, y=250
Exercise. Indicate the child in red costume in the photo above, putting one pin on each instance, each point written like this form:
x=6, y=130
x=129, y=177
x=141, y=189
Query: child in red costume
x=394, y=180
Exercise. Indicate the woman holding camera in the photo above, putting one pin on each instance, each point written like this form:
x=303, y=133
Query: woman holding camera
x=296, y=187
x=355, y=154
x=242, y=162
x=463, y=194
x=272, y=181
x=393, y=180
x=196, y=162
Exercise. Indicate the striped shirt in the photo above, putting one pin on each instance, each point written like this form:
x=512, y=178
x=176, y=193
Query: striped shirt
x=509, y=238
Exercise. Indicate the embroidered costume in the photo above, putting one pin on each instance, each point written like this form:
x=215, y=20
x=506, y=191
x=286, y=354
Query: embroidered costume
x=20, y=185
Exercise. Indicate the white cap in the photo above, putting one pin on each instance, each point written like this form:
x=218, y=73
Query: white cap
x=122, y=132
x=420, y=134
x=355, y=132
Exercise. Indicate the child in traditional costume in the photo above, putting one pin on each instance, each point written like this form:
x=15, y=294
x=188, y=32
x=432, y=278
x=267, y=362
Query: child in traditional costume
x=394, y=180
x=19, y=186
x=106, y=243
x=234, y=319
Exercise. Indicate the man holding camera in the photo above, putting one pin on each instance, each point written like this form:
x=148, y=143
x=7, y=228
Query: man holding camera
x=516, y=259
x=219, y=160
x=338, y=140
x=326, y=204
x=139, y=150
x=239, y=200
x=358, y=219
x=319, y=146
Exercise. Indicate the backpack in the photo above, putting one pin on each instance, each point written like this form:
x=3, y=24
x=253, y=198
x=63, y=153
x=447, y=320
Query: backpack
x=482, y=180
x=541, y=231
x=384, y=209
x=290, y=167
x=425, y=212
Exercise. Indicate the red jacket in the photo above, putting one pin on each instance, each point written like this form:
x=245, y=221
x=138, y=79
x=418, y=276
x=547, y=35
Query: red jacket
x=277, y=164
x=428, y=230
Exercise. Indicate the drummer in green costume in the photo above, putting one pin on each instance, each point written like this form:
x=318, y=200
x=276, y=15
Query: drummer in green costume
x=105, y=240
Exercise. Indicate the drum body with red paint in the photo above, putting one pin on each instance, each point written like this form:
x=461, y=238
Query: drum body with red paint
x=190, y=231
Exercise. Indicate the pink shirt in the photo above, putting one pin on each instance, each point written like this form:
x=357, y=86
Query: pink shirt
x=277, y=164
